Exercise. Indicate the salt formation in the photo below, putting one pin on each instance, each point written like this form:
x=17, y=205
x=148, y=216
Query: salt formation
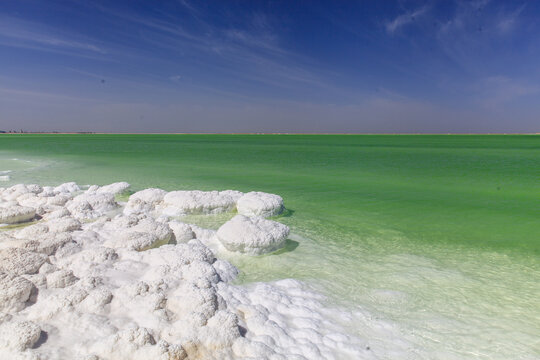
x=252, y=235
x=90, y=280
x=15, y=214
x=178, y=203
x=260, y=204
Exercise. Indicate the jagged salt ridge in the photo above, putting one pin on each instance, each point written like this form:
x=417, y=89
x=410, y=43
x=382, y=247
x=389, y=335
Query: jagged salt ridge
x=93, y=279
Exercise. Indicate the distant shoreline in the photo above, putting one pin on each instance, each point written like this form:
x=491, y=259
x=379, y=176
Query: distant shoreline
x=251, y=133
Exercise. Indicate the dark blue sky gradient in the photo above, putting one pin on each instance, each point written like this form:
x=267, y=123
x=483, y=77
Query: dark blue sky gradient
x=270, y=66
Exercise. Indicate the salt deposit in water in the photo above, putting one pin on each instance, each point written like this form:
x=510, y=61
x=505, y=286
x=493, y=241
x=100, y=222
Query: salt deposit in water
x=90, y=280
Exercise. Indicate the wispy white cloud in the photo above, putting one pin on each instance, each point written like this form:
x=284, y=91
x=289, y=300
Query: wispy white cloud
x=21, y=33
x=87, y=73
x=405, y=19
x=175, y=78
x=509, y=21
x=250, y=54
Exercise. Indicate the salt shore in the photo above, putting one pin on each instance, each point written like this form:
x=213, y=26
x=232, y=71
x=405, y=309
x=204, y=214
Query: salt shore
x=83, y=276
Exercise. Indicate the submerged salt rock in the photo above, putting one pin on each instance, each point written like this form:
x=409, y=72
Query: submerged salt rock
x=260, y=204
x=177, y=203
x=20, y=261
x=252, y=235
x=16, y=214
x=19, y=335
x=182, y=232
x=114, y=188
x=14, y=292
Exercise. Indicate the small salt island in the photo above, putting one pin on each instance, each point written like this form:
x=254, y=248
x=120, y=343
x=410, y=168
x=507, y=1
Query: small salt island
x=85, y=276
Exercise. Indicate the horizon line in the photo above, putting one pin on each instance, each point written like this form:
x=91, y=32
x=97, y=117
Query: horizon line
x=245, y=133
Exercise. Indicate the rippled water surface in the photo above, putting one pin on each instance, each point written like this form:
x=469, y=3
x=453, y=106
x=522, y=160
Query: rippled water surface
x=433, y=239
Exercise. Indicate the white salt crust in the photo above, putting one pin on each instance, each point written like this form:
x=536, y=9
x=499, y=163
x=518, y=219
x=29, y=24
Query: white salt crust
x=93, y=280
x=260, y=204
x=252, y=235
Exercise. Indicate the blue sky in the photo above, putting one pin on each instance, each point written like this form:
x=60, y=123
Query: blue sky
x=270, y=66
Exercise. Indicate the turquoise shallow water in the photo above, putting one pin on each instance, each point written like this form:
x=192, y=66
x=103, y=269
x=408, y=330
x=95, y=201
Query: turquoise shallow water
x=438, y=235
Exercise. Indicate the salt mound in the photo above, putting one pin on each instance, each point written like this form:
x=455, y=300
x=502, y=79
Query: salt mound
x=19, y=335
x=91, y=205
x=16, y=214
x=14, y=292
x=114, y=188
x=260, y=204
x=177, y=203
x=69, y=187
x=182, y=232
x=89, y=281
x=252, y=235
x=20, y=261
x=144, y=201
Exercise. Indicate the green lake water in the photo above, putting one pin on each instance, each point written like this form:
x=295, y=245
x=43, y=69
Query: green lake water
x=439, y=235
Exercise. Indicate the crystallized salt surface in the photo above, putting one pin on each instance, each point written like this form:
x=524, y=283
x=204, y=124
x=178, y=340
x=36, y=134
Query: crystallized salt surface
x=115, y=188
x=144, y=201
x=16, y=214
x=176, y=203
x=252, y=235
x=91, y=280
x=260, y=204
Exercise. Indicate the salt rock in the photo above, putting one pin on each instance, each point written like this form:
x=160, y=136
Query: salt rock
x=226, y=271
x=144, y=201
x=20, y=261
x=61, y=279
x=182, y=232
x=19, y=335
x=14, y=292
x=32, y=231
x=65, y=224
x=96, y=300
x=58, y=200
x=31, y=200
x=91, y=206
x=69, y=187
x=138, y=344
x=252, y=235
x=16, y=191
x=49, y=243
x=177, y=203
x=47, y=191
x=57, y=214
x=260, y=204
x=16, y=214
x=190, y=301
x=136, y=240
x=114, y=188
x=137, y=233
